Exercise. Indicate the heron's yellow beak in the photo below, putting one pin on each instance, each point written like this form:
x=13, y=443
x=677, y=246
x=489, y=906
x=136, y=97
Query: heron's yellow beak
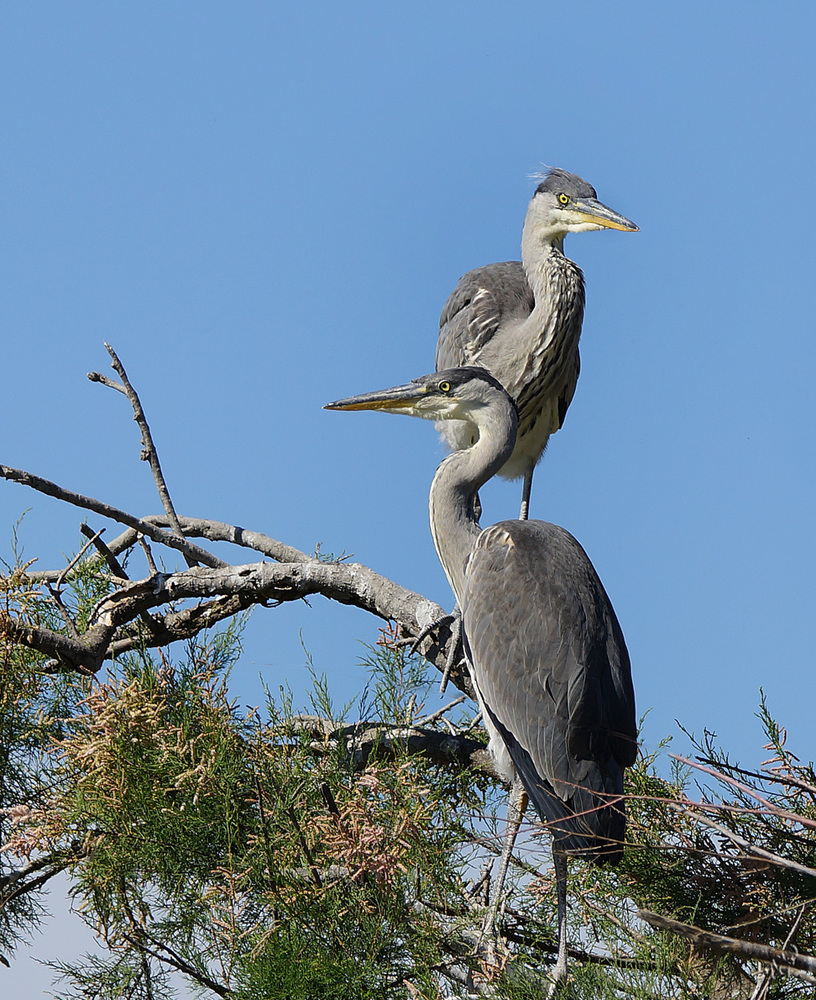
x=398, y=399
x=595, y=213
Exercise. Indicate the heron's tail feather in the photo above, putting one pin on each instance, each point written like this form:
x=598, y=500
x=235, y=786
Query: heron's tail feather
x=589, y=823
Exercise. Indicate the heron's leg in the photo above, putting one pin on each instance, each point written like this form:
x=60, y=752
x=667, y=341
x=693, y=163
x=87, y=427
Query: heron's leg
x=516, y=804
x=525, y=495
x=560, y=969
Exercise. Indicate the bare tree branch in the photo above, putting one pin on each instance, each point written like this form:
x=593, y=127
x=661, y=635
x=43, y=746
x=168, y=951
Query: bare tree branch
x=752, y=950
x=84, y=655
x=106, y=510
x=167, y=956
x=365, y=740
x=111, y=561
x=19, y=882
x=218, y=531
x=179, y=625
x=253, y=583
x=149, y=453
x=772, y=809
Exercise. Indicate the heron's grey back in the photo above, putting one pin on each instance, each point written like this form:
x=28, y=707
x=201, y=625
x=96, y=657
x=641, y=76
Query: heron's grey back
x=549, y=658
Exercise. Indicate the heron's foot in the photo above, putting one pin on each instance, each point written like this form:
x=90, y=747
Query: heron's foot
x=456, y=648
x=558, y=975
x=492, y=947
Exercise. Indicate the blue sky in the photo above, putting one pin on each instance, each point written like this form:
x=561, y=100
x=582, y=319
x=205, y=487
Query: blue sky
x=263, y=208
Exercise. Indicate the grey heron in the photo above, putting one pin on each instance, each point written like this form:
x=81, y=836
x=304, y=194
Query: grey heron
x=543, y=645
x=521, y=320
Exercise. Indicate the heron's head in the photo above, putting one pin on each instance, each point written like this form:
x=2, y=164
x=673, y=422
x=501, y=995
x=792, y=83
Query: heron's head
x=453, y=394
x=563, y=203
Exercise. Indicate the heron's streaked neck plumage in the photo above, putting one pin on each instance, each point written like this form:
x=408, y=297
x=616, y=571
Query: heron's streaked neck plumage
x=540, y=248
x=457, y=481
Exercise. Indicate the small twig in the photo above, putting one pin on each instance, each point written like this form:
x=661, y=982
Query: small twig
x=61, y=578
x=429, y=719
x=35, y=883
x=764, y=981
x=162, y=953
x=55, y=588
x=474, y=722
x=56, y=597
x=218, y=531
x=290, y=812
x=139, y=931
x=148, y=556
x=111, y=561
x=264, y=831
x=109, y=382
x=764, y=775
x=751, y=792
x=692, y=810
x=329, y=799
x=149, y=452
x=481, y=887
x=630, y=931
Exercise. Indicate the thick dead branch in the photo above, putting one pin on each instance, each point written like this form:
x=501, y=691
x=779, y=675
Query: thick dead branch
x=348, y=583
x=85, y=655
x=365, y=740
x=751, y=950
x=111, y=561
x=179, y=625
x=254, y=583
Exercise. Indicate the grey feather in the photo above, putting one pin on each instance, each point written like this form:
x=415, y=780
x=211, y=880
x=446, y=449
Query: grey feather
x=554, y=671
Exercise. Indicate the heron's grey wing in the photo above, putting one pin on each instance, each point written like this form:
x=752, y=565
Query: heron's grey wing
x=551, y=664
x=482, y=301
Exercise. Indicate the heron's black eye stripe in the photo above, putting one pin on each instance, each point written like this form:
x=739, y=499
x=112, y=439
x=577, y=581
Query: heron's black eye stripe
x=564, y=199
x=444, y=387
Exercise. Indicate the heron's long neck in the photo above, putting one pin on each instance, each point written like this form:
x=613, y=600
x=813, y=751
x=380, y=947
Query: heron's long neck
x=540, y=257
x=457, y=481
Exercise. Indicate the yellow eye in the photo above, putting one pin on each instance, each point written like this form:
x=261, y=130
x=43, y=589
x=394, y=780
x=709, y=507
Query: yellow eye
x=564, y=199
x=444, y=387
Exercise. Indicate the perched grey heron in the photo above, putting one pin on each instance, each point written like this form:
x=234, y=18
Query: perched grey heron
x=543, y=645
x=521, y=320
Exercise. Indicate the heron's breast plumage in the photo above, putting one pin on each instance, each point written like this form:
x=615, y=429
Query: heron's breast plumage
x=524, y=329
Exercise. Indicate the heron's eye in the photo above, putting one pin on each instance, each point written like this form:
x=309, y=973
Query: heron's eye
x=444, y=387
x=564, y=199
